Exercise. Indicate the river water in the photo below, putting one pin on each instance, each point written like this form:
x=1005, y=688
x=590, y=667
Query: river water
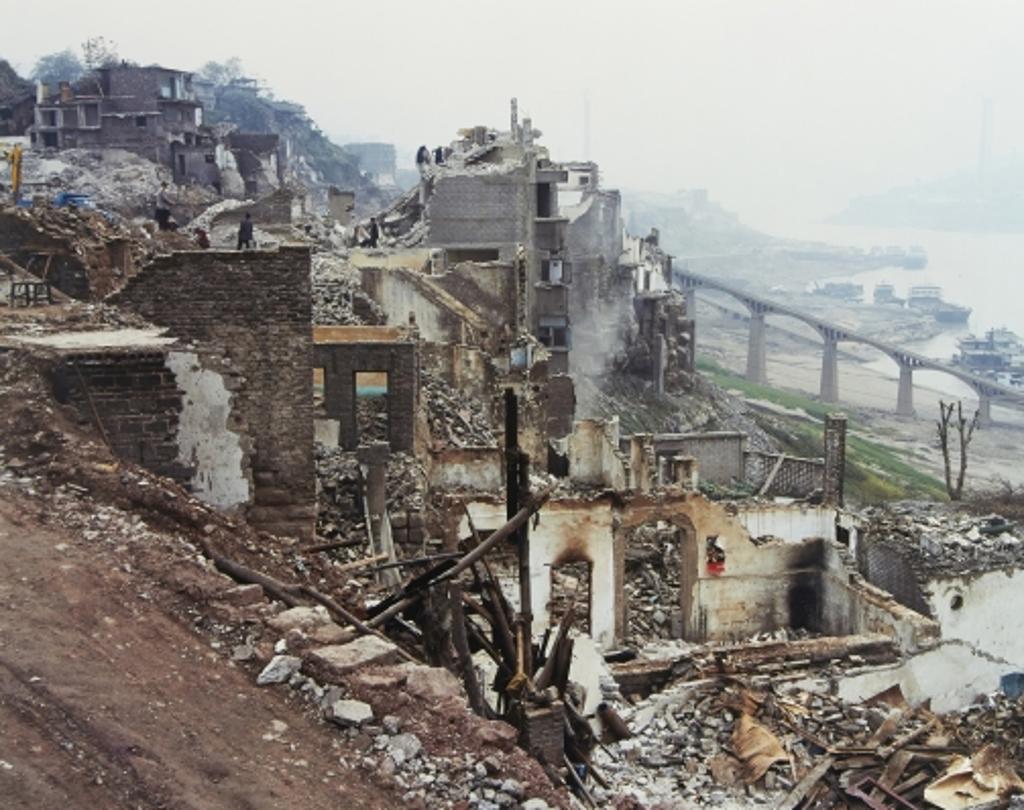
x=979, y=270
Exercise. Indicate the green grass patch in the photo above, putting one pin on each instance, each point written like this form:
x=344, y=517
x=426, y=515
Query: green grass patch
x=874, y=472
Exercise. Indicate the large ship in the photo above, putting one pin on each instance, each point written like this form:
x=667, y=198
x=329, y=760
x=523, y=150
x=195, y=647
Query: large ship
x=928, y=298
x=843, y=290
x=999, y=354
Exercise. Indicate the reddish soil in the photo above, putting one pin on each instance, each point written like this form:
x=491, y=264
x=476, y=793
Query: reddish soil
x=108, y=699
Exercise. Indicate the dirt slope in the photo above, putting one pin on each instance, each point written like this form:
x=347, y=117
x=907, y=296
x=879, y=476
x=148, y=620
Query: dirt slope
x=107, y=700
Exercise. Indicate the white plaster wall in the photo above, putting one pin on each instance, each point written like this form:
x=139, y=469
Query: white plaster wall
x=951, y=676
x=584, y=533
x=326, y=431
x=204, y=439
x=791, y=523
x=467, y=469
x=988, y=617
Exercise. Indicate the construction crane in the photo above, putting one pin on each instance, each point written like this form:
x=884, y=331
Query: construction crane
x=14, y=156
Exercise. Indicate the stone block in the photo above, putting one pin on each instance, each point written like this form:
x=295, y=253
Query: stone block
x=332, y=663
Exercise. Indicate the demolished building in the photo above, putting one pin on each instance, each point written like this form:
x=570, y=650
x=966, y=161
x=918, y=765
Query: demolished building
x=393, y=432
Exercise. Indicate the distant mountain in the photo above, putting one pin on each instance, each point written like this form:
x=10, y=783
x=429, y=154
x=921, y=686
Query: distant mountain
x=957, y=202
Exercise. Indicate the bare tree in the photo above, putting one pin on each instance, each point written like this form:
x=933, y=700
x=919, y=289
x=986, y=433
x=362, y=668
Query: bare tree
x=99, y=52
x=965, y=432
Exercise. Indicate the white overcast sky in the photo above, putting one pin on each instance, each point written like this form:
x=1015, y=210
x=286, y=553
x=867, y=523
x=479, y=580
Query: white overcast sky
x=784, y=109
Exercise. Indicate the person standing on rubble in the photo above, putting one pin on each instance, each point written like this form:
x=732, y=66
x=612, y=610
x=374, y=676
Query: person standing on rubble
x=162, y=214
x=245, y=232
x=373, y=236
x=423, y=160
x=439, y=156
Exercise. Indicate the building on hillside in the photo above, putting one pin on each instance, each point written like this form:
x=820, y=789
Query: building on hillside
x=151, y=111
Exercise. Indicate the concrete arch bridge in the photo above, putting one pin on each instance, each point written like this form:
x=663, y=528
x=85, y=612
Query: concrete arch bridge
x=831, y=335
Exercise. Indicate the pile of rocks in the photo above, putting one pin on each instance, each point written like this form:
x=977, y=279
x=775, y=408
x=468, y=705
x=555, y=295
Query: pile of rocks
x=997, y=719
x=938, y=540
x=688, y=744
x=652, y=584
x=455, y=419
x=339, y=502
x=338, y=299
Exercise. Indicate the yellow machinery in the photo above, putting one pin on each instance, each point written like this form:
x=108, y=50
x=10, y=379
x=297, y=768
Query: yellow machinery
x=14, y=156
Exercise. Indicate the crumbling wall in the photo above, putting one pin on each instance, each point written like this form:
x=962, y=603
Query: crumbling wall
x=889, y=567
x=852, y=606
x=342, y=360
x=253, y=311
x=594, y=456
x=466, y=469
x=979, y=610
x=719, y=454
x=795, y=478
x=478, y=209
x=131, y=398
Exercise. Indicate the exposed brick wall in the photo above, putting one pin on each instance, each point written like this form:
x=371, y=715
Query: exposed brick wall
x=136, y=401
x=479, y=209
x=252, y=312
x=341, y=362
x=883, y=566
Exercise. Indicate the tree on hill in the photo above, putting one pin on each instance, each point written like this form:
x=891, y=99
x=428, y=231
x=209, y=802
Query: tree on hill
x=62, y=66
x=222, y=73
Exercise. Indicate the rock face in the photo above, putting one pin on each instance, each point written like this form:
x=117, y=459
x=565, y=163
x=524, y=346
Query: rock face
x=331, y=664
x=279, y=670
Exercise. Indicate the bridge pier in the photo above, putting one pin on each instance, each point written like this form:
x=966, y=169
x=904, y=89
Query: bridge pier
x=984, y=409
x=691, y=303
x=757, y=366
x=829, y=366
x=905, y=395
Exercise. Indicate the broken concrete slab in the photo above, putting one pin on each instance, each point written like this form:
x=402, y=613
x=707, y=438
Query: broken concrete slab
x=332, y=663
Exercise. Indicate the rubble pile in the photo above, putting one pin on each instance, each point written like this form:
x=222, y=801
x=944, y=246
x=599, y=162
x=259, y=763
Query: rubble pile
x=340, y=513
x=939, y=540
x=114, y=179
x=78, y=238
x=338, y=299
x=652, y=584
x=715, y=742
x=455, y=420
x=995, y=720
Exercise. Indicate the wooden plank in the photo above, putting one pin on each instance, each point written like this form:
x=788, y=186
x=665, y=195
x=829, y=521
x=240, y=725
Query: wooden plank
x=806, y=785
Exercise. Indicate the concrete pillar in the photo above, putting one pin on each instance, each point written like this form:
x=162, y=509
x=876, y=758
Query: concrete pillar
x=691, y=303
x=905, y=395
x=757, y=367
x=984, y=409
x=830, y=368
x=373, y=460
x=659, y=363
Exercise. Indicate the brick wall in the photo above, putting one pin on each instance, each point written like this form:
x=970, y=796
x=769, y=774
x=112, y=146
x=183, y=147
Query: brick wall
x=478, y=209
x=884, y=567
x=251, y=313
x=136, y=401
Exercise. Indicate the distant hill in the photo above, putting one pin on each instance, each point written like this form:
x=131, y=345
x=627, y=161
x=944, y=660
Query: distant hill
x=690, y=222
x=957, y=202
x=315, y=160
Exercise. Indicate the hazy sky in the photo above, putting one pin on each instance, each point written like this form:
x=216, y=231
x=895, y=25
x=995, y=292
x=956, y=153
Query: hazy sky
x=782, y=108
